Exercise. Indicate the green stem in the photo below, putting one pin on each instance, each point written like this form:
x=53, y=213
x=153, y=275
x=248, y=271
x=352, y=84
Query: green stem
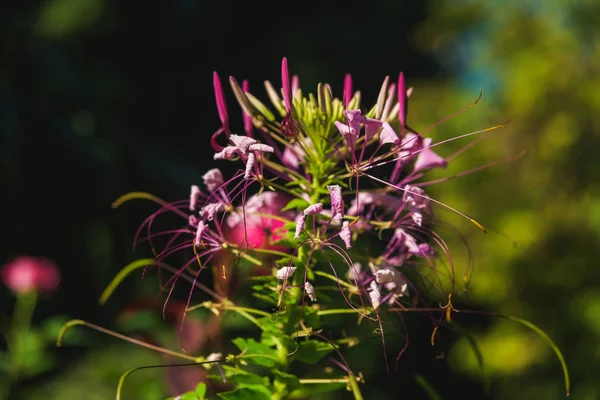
x=74, y=322
x=337, y=280
x=354, y=387
x=19, y=326
x=340, y=311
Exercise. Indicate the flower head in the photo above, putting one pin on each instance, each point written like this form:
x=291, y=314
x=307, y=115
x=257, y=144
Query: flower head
x=31, y=274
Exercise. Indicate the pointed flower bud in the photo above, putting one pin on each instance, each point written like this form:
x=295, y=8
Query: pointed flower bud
x=221, y=105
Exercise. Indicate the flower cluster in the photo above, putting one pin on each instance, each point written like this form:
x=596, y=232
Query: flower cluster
x=330, y=177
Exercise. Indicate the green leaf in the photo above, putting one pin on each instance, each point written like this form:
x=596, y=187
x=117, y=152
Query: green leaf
x=245, y=393
x=311, y=351
x=552, y=345
x=309, y=390
x=289, y=380
x=427, y=388
x=200, y=390
x=256, y=353
x=296, y=204
x=241, y=378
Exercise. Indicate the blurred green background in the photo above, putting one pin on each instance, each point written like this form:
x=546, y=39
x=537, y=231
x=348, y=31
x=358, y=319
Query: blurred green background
x=103, y=97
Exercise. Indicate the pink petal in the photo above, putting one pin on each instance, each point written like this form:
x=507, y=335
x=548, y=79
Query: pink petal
x=346, y=235
x=371, y=127
x=350, y=135
x=242, y=142
x=199, y=232
x=427, y=158
x=249, y=165
x=213, y=179
x=295, y=85
x=337, y=202
x=299, y=225
x=194, y=196
x=227, y=153
x=263, y=148
x=388, y=135
x=314, y=209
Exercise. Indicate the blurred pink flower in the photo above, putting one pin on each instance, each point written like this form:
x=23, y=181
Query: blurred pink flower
x=27, y=273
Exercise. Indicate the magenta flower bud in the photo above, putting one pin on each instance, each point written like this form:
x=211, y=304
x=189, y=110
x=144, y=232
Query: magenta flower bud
x=347, y=96
x=402, y=101
x=31, y=274
x=285, y=80
x=247, y=117
x=221, y=105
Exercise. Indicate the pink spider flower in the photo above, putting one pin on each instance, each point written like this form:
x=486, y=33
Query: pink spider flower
x=31, y=274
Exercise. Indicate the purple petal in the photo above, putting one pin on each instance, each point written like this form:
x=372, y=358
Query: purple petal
x=199, y=232
x=350, y=135
x=290, y=158
x=213, y=179
x=415, y=197
x=346, y=235
x=263, y=148
x=227, y=153
x=374, y=295
x=314, y=209
x=388, y=135
x=299, y=225
x=371, y=127
x=194, y=196
x=427, y=158
x=337, y=202
x=249, y=165
x=242, y=142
